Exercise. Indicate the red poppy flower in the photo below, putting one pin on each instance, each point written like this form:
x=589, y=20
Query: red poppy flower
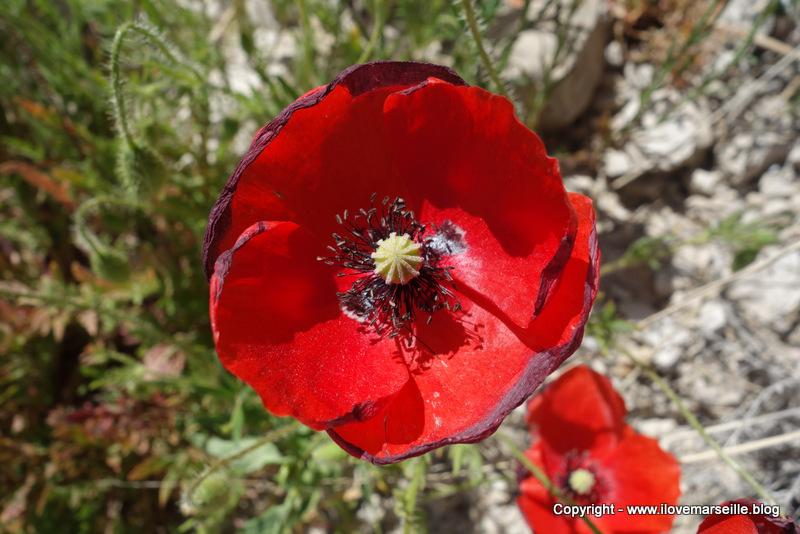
x=747, y=517
x=395, y=261
x=584, y=446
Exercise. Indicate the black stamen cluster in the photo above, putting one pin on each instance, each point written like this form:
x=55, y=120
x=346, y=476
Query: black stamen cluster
x=573, y=461
x=380, y=304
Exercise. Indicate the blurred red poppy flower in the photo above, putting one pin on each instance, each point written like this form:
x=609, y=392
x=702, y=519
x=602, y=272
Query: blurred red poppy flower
x=396, y=261
x=581, y=441
x=746, y=516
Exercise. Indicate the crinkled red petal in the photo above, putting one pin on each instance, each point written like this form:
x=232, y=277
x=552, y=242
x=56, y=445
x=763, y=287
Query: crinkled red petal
x=639, y=472
x=462, y=368
x=470, y=370
x=465, y=157
x=331, y=156
x=581, y=410
x=277, y=326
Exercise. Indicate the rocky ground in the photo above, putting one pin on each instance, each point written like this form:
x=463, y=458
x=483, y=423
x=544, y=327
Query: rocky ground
x=708, y=170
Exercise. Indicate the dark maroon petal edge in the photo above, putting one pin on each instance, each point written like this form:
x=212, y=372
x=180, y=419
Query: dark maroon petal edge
x=552, y=271
x=541, y=365
x=358, y=79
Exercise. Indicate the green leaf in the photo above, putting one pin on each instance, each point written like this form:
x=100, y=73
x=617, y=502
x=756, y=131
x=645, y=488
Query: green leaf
x=267, y=454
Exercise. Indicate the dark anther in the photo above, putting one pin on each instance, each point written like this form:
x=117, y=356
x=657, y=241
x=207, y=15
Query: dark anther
x=371, y=298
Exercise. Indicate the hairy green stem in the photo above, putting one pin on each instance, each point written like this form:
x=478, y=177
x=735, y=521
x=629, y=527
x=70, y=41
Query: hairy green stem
x=117, y=93
x=377, y=29
x=542, y=477
x=308, y=47
x=410, y=497
x=476, y=35
x=117, y=99
x=81, y=228
x=270, y=437
x=692, y=420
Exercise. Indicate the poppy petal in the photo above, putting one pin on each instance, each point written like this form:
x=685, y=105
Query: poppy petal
x=476, y=165
x=639, y=472
x=462, y=367
x=592, y=420
x=277, y=326
x=478, y=370
x=735, y=524
x=296, y=165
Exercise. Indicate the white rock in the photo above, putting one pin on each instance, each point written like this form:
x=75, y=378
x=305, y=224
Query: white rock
x=614, y=55
x=666, y=358
x=581, y=183
x=746, y=155
x=705, y=182
x=704, y=262
x=743, y=13
x=630, y=108
x=713, y=317
x=260, y=14
x=530, y=55
x=778, y=182
x=621, y=162
x=576, y=75
x=765, y=136
x=665, y=221
x=773, y=297
x=639, y=76
x=679, y=141
x=656, y=427
x=724, y=203
x=609, y=204
x=590, y=344
x=668, y=334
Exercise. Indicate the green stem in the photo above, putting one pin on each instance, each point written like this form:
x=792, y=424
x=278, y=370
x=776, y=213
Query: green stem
x=692, y=420
x=270, y=437
x=82, y=229
x=117, y=93
x=117, y=101
x=410, y=497
x=308, y=46
x=542, y=477
x=377, y=28
x=476, y=35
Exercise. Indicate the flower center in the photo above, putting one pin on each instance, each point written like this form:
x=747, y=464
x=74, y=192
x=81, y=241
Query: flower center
x=581, y=481
x=398, y=264
x=397, y=259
